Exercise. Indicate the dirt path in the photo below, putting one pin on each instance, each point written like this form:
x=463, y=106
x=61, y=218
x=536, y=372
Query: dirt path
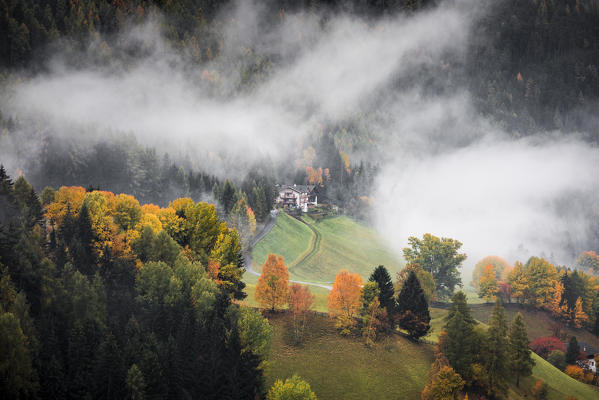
x=315, y=246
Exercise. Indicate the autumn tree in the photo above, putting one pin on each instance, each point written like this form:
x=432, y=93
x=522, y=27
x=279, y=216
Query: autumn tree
x=343, y=301
x=440, y=257
x=545, y=345
x=294, y=388
x=273, y=284
x=371, y=312
x=500, y=266
x=521, y=361
x=300, y=303
x=488, y=284
x=412, y=308
x=446, y=385
x=242, y=218
x=520, y=283
x=427, y=282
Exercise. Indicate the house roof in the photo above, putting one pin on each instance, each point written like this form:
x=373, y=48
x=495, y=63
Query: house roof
x=298, y=188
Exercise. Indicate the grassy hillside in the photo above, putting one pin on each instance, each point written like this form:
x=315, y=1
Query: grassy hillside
x=289, y=238
x=560, y=385
x=345, y=244
x=344, y=368
x=539, y=323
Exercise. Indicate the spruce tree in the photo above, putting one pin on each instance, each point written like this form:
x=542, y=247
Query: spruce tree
x=382, y=278
x=496, y=357
x=596, y=327
x=521, y=361
x=459, y=303
x=458, y=344
x=412, y=308
x=573, y=351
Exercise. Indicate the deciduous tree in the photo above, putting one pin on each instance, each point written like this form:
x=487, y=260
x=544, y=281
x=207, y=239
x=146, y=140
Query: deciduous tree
x=273, y=285
x=343, y=301
x=440, y=257
x=488, y=284
x=300, y=303
x=427, y=282
x=294, y=388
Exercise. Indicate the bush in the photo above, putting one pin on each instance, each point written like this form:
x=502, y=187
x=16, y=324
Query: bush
x=294, y=388
x=575, y=372
x=545, y=345
x=557, y=358
x=539, y=390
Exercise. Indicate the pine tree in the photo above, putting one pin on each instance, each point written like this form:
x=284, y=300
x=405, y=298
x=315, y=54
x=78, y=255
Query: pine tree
x=459, y=303
x=412, y=308
x=573, y=351
x=596, y=327
x=381, y=276
x=496, y=355
x=228, y=197
x=458, y=344
x=521, y=361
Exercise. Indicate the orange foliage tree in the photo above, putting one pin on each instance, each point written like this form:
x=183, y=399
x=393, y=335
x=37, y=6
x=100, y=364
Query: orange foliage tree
x=300, y=302
x=488, y=284
x=273, y=284
x=344, y=299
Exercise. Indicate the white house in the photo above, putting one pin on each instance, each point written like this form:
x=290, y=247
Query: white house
x=297, y=196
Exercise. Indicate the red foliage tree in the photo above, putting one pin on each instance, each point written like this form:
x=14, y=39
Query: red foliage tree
x=545, y=345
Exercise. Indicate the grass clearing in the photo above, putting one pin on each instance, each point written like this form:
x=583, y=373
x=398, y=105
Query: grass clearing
x=344, y=368
x=344, y=244
x=289, y=238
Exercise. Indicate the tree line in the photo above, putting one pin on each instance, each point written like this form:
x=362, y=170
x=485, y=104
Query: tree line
x=103, y=298
x=571, y=295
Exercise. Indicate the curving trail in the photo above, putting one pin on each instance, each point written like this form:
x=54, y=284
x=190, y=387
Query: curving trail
x=314, y=247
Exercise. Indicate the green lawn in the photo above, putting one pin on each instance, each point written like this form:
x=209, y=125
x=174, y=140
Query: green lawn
x=344, y=368
x=346, y=244
x=289, y=238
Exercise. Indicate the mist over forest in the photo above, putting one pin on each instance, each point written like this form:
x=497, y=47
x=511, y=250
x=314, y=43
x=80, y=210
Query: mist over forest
x=194, y=192
x=465, y=130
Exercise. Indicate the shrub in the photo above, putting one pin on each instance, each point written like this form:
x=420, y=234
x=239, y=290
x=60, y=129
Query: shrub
x=539, y=390
x=575, y=372
x=557, y=358
x=545, y=345
x=294, y=388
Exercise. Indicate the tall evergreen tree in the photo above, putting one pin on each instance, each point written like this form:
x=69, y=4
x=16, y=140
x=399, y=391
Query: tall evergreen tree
x=459, y=303
x=496, y=357
x=458, y=344
x=521, y=361
x=382, y=278
x=412, y=308
x=573, y=351
x=228, y=197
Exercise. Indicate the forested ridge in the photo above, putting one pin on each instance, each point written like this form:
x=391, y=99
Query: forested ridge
x=533, y=64
x=103, y=298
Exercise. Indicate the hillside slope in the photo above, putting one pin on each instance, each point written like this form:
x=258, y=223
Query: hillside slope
x=317, y=251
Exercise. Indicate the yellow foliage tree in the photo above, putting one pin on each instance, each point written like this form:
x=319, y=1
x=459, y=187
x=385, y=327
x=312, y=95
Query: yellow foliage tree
x=68, y=198
x=488, y=284
x=343, y=301
x=558, y=308
x=273, y=285
x=579, y=317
